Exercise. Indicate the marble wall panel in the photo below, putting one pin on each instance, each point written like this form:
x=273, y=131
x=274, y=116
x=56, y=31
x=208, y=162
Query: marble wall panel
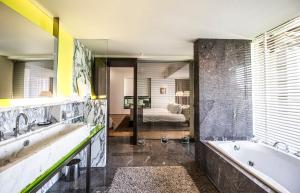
x=72, y=110
x=95, y=114
x=82, y=76
x=95, y=111
x=36, y=114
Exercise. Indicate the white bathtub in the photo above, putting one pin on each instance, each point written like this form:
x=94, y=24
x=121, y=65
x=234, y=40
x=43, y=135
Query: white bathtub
x=276, y=169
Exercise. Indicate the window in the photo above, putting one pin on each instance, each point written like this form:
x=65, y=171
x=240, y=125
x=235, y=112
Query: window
x=276, y=85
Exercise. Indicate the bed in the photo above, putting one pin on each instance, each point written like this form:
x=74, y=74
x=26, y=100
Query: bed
x=162, y=115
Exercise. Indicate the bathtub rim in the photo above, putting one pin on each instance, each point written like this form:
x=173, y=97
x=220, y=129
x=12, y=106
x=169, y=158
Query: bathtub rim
x=267, y=145
x=261, y=182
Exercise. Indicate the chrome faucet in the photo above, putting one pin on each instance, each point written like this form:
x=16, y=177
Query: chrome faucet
x=286, y=146
x=17, y=129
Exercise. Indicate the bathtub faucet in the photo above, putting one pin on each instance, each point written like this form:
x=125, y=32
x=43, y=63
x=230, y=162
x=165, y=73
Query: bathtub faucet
x=286, y=146
x=236, y=147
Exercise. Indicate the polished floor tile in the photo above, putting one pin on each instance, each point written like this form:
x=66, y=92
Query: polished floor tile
x=151, y=153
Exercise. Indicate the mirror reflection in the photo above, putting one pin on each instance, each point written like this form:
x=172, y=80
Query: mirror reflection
x=27, y=67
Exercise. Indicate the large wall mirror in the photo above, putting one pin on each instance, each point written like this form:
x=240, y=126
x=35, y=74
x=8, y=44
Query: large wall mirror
x=27, y=58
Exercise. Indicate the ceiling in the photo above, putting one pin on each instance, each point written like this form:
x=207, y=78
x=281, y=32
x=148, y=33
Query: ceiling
x=99, y=47
x=157, y=29
x=182, y=73
x=20, y=39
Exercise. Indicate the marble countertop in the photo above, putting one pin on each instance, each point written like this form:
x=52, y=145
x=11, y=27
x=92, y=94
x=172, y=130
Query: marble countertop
x=94, y=130
x=46, y=148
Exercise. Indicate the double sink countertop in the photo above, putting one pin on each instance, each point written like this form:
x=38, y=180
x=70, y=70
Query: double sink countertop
x=27, y=160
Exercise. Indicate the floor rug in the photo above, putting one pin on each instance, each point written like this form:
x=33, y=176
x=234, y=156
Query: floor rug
x=166, y=179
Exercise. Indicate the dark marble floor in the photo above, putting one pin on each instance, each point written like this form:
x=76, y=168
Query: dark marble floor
x=152, y=153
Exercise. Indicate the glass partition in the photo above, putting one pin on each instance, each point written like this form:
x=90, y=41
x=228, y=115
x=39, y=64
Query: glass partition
x=95, y=51
x=163, y=100
x=99, y=48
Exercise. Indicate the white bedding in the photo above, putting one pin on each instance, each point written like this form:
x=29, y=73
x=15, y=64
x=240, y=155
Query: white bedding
x=161, y=115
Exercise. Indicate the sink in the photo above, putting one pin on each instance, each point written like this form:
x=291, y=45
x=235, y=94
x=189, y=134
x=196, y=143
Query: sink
x=26, y=157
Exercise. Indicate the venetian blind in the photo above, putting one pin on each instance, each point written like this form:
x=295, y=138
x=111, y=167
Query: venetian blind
x=276, y=85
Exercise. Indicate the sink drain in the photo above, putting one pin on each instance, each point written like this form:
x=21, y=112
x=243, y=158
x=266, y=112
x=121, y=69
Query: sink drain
x=26, y=143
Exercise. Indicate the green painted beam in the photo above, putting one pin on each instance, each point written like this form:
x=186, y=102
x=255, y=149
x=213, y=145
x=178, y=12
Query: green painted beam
x=53, y=169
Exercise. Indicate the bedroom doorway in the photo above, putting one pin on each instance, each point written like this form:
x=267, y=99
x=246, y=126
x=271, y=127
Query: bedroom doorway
x=122, y=95
x=163, y=90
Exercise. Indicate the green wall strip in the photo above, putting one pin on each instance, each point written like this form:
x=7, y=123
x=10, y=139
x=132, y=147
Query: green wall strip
x=53, y=169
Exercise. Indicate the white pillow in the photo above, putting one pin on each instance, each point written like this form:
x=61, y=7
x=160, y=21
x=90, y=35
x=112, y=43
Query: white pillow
x=174, y=108
x=169, y=107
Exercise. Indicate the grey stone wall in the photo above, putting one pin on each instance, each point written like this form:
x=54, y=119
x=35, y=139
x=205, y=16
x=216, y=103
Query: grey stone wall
x=225, y=108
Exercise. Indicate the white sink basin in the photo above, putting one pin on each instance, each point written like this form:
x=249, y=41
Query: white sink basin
x=26, y=157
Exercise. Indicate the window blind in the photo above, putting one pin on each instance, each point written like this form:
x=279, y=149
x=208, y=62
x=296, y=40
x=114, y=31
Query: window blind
x=276, y=85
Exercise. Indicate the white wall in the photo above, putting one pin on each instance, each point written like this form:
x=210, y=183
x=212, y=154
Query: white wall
x=162, y=100
x=117, y=90
x=146, y=71
x=156, y=73
x=128, y=86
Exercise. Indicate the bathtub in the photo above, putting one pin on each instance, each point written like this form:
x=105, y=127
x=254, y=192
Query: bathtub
x=276, y=169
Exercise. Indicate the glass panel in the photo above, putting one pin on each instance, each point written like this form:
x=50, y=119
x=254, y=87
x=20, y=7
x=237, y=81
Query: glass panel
x=99, y=48
x=163, y=100
x=98, y=62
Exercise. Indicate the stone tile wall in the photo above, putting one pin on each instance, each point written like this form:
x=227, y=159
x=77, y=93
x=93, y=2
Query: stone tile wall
x=225, y=108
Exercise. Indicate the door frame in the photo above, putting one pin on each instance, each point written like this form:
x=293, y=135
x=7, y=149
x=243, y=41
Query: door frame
x=124, y=62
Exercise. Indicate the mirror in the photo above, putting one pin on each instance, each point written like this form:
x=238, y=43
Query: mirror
x=27, y=62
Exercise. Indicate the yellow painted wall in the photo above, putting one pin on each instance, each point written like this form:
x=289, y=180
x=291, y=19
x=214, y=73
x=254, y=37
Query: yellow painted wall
x=65, y=49
x=65, y=64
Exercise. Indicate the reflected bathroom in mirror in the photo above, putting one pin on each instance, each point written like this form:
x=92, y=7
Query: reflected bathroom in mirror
x=27, y=62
